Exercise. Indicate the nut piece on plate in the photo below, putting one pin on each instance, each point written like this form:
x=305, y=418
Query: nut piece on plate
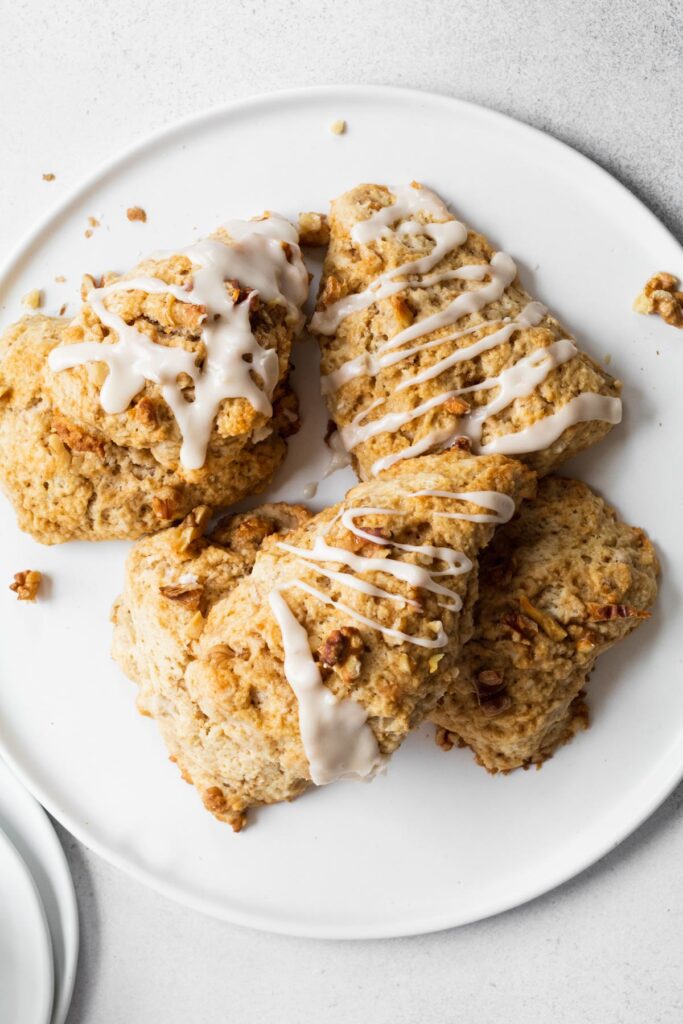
x=660, y=295
x=26, y=584
x=239, y=641
x=559, y=584
x=136, y=213
x=92, y=449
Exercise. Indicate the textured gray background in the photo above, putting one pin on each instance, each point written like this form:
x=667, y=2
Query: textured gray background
x=78, y=81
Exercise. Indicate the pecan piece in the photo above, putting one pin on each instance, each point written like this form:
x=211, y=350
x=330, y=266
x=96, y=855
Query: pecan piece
x=523, y=627
x=189, y=595
x=26, y=584
x=548, y=624
x=339, y=646
x=607, y=612
x=661, y=296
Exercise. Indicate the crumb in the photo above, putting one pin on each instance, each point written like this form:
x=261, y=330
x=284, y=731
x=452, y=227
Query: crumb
x=62, y=308
x=313, y=229
x=60, y=280
x=32, y=299
x=93, y=222
x=661, y=296
x=26, y=584
x=49, y=176
x=338, y=127
x=136, y=213
x=88, y=233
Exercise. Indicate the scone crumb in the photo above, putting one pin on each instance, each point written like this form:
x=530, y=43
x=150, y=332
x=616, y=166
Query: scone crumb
x=93, y=222
x=136, y=213
x=32, y=299
x=660, y=296
x=49, y=176
x=314, y=229
x=338, y=127
x=88, y=233
x=444, y=738
x=60, y=279
x=26, y=584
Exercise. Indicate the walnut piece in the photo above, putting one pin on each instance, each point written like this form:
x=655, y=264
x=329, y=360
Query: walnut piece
x=660, y=295
x=548, y=624
x=189, y=595
x=457, y=406
x=314, y=229
x=524, y=629
x=136, y=213
x=607, y=612
x=192, y=529
x=75, y=438
x=339, y=646
x=26, y=584
x=402, y=311
x=332, y=292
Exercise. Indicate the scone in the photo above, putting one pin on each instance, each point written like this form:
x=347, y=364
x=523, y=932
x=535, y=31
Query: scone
x=314, y=665
x=168, y=390
x=428, y=339
x=559, y=584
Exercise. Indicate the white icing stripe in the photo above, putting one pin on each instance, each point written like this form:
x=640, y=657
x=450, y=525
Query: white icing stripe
x=259, y=262
x=335, y=735
x=543, y=433
x=408, y=200
x=337, y=740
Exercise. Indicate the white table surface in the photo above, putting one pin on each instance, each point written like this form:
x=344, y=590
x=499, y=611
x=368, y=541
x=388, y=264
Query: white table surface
x=79, y=81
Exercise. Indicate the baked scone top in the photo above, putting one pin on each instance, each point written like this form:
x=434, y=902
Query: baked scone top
x=190, y=342
x=427, y=337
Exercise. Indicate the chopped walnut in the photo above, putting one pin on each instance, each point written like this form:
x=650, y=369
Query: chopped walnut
x=165, y=505
x=661, y=296
x=495, y=705
x=189, y=595
x=548, y=624
x=402, y=311
x=462, y=443
x=75, y=438
x=606, y=612
x=49, y=176
x=219, y=655
x=314, y=229
x=26, y=584
x=145, y=412
x=32, y=299
x=338, y=127
x=444, y=738
x=136, y=213
x=192, y=528
x=339, y=646
x=586, y=642
x=523, y=628
x=332, y=292
x=457, y=406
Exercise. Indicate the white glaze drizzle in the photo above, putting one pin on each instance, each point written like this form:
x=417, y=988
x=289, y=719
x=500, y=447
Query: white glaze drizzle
x=336, y=737
x=259, y=262
x=517, y=381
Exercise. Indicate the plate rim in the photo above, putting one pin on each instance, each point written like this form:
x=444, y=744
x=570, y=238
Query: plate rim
x=56, y=867
x=670, y=767
x=45, y=937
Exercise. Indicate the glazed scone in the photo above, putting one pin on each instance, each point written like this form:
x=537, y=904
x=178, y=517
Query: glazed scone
x=561, y=583
x=428, y=339
x=168, y=390
x=369, y=601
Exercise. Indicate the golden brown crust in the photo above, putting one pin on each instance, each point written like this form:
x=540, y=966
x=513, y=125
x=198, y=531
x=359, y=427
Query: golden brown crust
x=214, y=676
x=350, y=267
x=548, y=586
x=69, y=478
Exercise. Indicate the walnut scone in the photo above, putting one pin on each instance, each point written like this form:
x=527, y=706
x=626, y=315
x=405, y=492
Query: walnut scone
x=168, y=390
x=314, y=665
x=559, y=584
x=428, y=339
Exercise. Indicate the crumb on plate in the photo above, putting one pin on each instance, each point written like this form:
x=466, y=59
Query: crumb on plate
x=26, y=584
x=660, y=295
x=49, y=176
x=136, y=213
x=32, y=299
x=338, y=127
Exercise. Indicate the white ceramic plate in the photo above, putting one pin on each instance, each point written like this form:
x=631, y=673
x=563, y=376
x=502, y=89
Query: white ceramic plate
x=25, y=954
x=437, y=842
x=26, y=825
